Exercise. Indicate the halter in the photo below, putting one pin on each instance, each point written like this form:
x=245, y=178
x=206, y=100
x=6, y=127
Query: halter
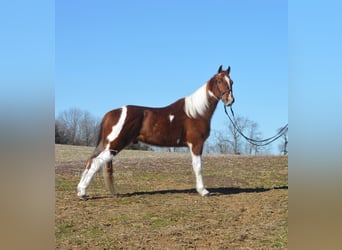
x=222, y=93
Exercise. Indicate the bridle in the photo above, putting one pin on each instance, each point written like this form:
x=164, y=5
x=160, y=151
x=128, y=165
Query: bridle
x=222, y=93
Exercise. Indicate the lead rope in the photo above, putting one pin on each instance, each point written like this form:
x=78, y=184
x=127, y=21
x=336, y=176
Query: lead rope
x=252, y=141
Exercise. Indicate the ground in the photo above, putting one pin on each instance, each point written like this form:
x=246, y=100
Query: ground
x=157, y=207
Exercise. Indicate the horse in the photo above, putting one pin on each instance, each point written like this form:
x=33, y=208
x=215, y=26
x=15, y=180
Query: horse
x=184, y=123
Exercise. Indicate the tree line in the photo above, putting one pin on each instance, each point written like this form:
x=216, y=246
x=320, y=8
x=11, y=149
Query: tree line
x=79, y=127
x=76, y=127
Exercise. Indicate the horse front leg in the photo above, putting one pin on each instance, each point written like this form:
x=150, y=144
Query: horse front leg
x=197, y=167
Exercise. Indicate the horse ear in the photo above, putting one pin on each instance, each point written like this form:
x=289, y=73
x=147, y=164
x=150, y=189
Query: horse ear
x=220, y=69
x=228, y=70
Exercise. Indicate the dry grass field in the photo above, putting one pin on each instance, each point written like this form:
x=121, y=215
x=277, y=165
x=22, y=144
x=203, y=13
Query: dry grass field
x=157, y=207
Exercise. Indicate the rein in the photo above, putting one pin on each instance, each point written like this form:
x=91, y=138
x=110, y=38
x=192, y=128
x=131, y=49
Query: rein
x=252, y=141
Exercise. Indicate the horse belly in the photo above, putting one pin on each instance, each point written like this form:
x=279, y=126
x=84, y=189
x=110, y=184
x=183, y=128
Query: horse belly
x=167, y=140
x=160, y=132
x=162, y=139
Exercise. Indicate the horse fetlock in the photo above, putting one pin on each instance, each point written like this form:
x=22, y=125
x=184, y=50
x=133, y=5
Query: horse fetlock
x=81, y=191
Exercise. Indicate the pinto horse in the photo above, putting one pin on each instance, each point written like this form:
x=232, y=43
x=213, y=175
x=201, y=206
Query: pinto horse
x=184, y=123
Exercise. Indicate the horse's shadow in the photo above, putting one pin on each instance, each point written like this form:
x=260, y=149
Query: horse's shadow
x=213, y=191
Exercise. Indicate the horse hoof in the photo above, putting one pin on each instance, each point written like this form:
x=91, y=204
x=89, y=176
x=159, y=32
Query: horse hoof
x=207, y=195
x=84, y=197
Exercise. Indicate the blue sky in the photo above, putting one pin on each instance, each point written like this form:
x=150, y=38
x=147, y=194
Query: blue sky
x=151, y=53
x=87, y=52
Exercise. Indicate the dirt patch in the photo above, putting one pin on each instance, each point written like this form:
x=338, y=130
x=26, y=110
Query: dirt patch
x=157, y=207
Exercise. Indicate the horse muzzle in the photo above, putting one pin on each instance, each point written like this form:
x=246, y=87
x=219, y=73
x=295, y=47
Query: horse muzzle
x=228, y=101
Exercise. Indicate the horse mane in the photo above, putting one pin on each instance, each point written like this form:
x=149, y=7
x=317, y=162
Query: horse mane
x=197, y=103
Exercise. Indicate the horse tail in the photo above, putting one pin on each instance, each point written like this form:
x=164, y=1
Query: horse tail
x=107, y=171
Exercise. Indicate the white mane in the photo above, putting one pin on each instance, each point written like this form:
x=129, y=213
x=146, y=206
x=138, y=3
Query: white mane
x=197, y=103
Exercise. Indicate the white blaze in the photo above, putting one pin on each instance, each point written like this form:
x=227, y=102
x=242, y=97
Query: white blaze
x=228, y=82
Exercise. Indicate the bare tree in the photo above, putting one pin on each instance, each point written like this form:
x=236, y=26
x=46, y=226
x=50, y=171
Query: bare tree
x=69, y=120
x=242, y=123
x=283, y=144
x=88, y=129
x=253, y=133
x=221, y=144
x=233, y=142
x=60, y=137
x=76, y=127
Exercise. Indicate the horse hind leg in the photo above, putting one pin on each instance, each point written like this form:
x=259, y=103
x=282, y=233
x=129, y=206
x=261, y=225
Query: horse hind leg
x=93, y=165
x=122, y=133
x=108, y=177
x=83, y=176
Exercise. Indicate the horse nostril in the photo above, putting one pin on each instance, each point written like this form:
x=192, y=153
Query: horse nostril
x=230, y=100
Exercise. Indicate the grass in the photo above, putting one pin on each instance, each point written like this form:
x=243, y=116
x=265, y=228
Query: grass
x=64, y=230
x=157, y=207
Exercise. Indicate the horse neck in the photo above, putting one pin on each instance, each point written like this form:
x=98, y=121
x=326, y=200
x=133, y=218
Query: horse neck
x=202, y=103
x=212, y=99
x=212, y=106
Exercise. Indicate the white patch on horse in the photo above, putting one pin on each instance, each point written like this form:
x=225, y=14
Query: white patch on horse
x=171, y=117
x=96, y=164
x=197, y=103
x=212, y=94
x=116, y=129
x=178, y=141
x=197, y=167
x=228, y=82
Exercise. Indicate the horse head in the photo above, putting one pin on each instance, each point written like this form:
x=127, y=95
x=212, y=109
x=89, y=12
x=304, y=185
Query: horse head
x=222, y=86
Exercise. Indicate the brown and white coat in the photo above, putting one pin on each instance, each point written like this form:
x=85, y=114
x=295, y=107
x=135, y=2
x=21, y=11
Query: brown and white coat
x=184, y=123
